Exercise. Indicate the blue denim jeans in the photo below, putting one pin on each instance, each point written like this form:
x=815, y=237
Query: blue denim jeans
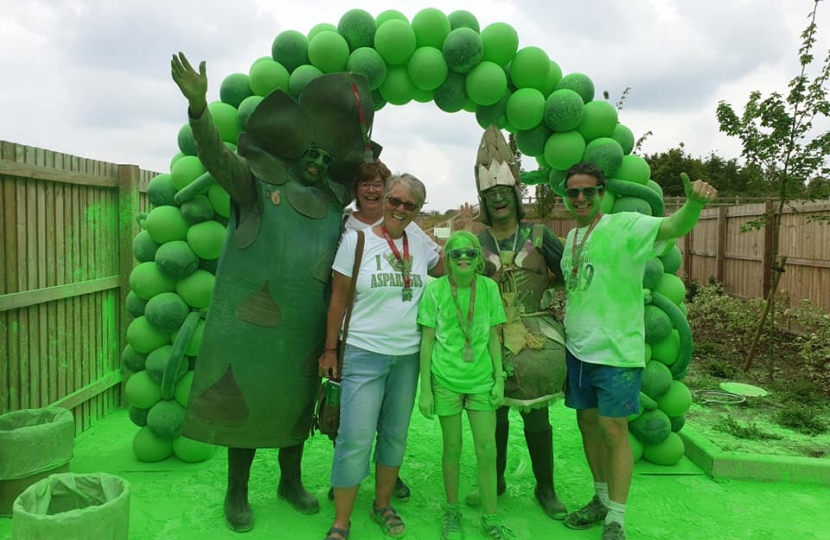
x=377, y=397
x=613, y=391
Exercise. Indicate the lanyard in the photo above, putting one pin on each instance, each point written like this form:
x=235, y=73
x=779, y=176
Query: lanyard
x=468, y=327
x=576, y=253
x=404, y=261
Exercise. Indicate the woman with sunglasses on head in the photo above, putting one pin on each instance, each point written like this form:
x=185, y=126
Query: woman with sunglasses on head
x=461, y=370
x=380, y=364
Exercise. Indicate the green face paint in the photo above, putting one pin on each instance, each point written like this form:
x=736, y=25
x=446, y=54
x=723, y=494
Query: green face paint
x=501, y=203
x=464, y=257
x=314, y=165
x=583, y=208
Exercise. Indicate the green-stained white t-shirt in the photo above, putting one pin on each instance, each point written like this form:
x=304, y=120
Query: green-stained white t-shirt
x=604, y=313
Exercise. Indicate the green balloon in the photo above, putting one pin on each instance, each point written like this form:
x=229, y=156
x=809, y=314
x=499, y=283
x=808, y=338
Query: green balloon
x=395, y=41
x=607, y=204
x=186, y=170
x=225, y=120
x=452, y=95
x=531, y=142
x=329, y=52
x=554, y=76
x=397, y=89
x=463, y=19
x=427, y=68
x=300, y=78
x=542, y=162
x=470, y=106
x=369, y=62
x=501, y=41
x=422, y=96
x=564, y=149
x=322, y=27
x=463, y=50
x=234, y=88
x=607, y=154
x=176, y=158
x=258, y=60
x=267, y=76
x=564, y=110
x=358, y=27
x=623, y=135
x=525, y=108
x=390, y=15
x=556, y=181
x=187, y=144
x=486, y=83
x=431, y=27
x=377, y=100
x=634, y=169
x=493, y=115
x=579, y=83
x=246, y=108
x=290, y=48
x=599, y=120
x=529, y=68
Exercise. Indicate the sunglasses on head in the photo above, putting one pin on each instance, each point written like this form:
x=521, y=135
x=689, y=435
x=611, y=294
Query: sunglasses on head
x=395, y=202
x=314, y=153
x=457, y=253
x=589, y=192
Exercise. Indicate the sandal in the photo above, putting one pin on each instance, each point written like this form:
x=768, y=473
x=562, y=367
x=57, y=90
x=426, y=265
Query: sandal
x=330, y=535
x=389, y=520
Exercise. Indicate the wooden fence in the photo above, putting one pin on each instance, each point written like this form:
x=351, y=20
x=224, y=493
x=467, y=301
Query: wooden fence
x=66, y=229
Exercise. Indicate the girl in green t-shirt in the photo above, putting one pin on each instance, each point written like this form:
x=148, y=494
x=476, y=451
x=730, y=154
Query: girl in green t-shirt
x=461, y=369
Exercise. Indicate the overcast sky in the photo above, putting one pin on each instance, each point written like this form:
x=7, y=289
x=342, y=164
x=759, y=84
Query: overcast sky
x=92, y=77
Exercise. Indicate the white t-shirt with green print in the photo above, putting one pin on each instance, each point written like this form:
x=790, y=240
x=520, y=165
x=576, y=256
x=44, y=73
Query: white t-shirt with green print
x=604, y=313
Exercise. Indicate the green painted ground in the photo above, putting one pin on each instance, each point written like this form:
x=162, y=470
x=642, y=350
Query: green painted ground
x=173, y=501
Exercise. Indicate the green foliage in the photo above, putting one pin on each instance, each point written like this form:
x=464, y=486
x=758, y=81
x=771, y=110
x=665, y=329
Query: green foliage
x=803, y=419
x=722, y=369
x=745, y=431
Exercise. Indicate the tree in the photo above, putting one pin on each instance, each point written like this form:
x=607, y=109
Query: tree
x=777, y=135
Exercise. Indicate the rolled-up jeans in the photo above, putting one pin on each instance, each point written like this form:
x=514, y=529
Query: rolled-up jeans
x=377, y=395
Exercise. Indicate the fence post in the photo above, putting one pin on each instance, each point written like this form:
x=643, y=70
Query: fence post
x=128, y=206
x=769, y=239
x=687, y=256
x=720, y=248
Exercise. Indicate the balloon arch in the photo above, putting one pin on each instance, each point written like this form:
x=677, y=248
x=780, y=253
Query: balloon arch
x=436, y=57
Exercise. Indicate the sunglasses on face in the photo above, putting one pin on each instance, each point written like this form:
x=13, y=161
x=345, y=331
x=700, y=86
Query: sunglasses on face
x=496, y=193
x=315, y=153
x=588, y=192
x=395, y=202
x=457, y=253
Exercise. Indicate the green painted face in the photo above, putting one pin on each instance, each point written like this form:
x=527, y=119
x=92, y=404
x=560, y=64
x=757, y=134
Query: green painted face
x=314, y=165
x=464, y=257
x=501, y=203
x=579, y=200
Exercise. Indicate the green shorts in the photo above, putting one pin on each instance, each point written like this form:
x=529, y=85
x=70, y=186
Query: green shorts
x=450, y=403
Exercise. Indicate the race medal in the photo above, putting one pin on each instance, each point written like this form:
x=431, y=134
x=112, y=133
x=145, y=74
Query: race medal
x=406, y=294
x=467, y=355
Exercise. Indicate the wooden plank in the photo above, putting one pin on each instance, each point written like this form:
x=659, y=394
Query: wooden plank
x=128, y=201
x=37, y=172
x=10, y=238
x=740, y=257
x=767, y=252
x=50, y=309
x=687, y=256
x=812, y=263
x=32, y=284
x=720, y=246
x=58, y=292
x=61, y=325
x=4, y=256
x=83, y=395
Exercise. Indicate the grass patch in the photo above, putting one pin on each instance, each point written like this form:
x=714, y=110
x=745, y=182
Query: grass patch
x=745, y=431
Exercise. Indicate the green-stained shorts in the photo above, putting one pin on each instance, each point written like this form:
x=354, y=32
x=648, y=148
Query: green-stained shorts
x=450, y=403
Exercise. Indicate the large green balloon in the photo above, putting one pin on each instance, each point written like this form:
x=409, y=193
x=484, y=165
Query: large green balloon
x=397, y=89
x=431, y=27
x=493, y=115
x=300, y=78
x=290, y=48
x=234, y=88
x=322, y=27
x=422, y=96
x=531, y=142
x=605, y=153
x=529, y=68
x=463, y=50
x=486, y=83
x=395, y=41
x=501, y=41
x=246, y=108
x=358, y=27
x=579, y=83
x=623, y=135
x=634, y=169
x=267, y=76
x=187, y=144
x=390, y=15
x=564, y=110
x=452, y=95
x=463, y=19
x=225, y=120
x=525, y=108
x=564, y=149
x=329, y=52
x=427, y=68
x=599, y=120
x=369, y=62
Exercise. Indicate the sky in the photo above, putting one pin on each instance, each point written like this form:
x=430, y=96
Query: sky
x=92, y=77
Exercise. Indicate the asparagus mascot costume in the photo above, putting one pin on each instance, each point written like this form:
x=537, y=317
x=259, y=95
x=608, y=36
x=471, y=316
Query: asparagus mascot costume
x=256, y=376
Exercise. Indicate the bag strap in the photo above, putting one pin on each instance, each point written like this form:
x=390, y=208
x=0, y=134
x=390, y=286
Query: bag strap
x=358, y=256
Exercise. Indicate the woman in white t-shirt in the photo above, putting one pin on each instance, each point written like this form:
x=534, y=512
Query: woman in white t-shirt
x=380, y=365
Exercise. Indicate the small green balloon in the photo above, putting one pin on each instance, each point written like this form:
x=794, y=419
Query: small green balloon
x=486, y=83
x=422, y=96
x=290, y=48
x=368, y=62
x=329, y=51
x=623, y=135
x=267, y=76
x=579, y=83
x=186, y=170
x=377, y=100
x=187, y=144
x=556, y=181
x=358, y=27
x=395, y=41
x=607, y=154
x=226, y=121
x=531, y=142
x=634, y=169
x=322, y=27
x=390, y=15
x=300, y=78
x=564, y=149
x=501, y=41
x=529, y=68
x=176, y=158
x=599, y=120
x=258, y=60
x=397, y=89
x=463, y=19
x=542, y=162
x=493, y=115
x=463, y=50
x=452, y=95
x=554, y=76
x=564, y=110
x=427, y=68
x=525, y=108
x=246, y=108
x=431, y=27
x=234, y=88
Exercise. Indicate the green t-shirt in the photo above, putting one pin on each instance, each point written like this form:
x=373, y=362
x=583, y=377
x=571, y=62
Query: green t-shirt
x=437, y=310
x=604, y=312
